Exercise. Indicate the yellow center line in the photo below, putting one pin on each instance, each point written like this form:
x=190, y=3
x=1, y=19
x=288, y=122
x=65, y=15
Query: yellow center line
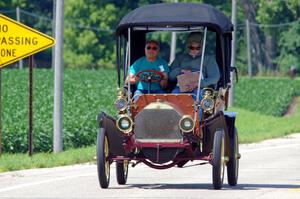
x=294, y=189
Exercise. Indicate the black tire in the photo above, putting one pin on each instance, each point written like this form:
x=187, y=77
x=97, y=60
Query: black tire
x=103, y=163
x=122, y=172
x=182, y=163
x=233, y=163
x=218, y=159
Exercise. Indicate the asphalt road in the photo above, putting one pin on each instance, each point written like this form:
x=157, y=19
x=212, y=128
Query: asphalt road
x=268, y=170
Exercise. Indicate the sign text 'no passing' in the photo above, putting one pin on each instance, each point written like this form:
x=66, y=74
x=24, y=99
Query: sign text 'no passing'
x=18, y=41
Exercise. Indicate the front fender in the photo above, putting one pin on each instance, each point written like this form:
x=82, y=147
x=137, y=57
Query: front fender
x=211, y=125
x=115, y=137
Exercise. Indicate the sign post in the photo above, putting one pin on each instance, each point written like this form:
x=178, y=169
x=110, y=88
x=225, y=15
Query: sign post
x=18, y=41
x=30, y=140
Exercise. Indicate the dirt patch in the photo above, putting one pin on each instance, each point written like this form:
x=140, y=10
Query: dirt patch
x=292, y=108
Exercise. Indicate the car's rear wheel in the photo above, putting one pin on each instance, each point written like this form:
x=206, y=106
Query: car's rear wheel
x=233, y=163
x=122, y=171
x=103, y=163
x=218, y=162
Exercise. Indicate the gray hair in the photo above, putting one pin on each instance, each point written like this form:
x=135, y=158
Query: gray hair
x=196, y=37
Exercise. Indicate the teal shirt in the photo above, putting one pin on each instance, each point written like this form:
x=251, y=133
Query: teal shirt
x=143, y=64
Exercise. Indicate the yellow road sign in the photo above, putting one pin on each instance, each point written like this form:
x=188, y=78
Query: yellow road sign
x=18, y=41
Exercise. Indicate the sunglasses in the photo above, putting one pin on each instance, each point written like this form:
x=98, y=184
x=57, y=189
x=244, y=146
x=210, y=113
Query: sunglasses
x=151, y=48
x=194, y=48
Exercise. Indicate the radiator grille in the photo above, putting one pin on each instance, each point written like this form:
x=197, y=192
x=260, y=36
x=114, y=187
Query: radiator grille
x=158, y=122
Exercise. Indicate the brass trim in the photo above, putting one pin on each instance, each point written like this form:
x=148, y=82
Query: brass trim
x=121, y=98
x=208, y=91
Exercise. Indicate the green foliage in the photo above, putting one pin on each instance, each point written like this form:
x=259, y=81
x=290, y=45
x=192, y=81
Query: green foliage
x=86, y=93
x=287, y=40
x=268, y=96
x=91, y=42
x=290, y=48
x=272, y=12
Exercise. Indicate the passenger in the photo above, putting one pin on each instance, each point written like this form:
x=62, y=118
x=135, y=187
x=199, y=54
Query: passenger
x=149, y=62
x=190, y=62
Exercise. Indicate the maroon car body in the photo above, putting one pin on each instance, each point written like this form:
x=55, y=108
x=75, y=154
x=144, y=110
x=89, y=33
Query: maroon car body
x=165, y=130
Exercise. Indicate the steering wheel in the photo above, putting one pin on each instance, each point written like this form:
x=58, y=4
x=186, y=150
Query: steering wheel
x=150, y=76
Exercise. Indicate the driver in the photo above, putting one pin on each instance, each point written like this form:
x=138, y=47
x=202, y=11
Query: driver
x=149, y=62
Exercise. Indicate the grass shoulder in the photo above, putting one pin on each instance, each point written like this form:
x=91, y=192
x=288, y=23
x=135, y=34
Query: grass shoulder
x=20, y=161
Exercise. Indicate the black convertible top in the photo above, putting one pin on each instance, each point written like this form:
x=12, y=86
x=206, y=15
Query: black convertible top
x=176, y=15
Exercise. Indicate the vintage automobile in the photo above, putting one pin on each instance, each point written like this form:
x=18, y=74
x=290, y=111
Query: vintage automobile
x=166, y=130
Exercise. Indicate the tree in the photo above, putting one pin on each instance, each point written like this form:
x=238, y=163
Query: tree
x=249, y=8
x=282, y=41
x=89, y=38
x=269, y=12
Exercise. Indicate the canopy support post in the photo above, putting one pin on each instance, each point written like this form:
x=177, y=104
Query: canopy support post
x=200, y=75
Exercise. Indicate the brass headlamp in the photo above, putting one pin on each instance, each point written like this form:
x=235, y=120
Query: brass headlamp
x=186, y=124
x=208, y=102
x=124, y=123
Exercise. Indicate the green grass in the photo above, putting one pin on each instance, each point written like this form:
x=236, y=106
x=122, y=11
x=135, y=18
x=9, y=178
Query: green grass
x=253, y=126
x=12, y=162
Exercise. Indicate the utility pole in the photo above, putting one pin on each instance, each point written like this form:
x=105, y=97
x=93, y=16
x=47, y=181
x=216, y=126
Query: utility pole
x=53, y=33
x=19, y=20
x=58, y=74
x=173, y=44
x=233, y=52
x=248, y=48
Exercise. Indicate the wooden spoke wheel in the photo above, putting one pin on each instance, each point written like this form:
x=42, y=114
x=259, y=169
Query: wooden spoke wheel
x=103, y=162
x=218, y=159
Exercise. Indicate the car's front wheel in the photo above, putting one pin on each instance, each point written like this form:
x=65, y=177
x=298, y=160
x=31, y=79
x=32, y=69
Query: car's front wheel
x=218, y=162
x=122, y=171
x=103, y=163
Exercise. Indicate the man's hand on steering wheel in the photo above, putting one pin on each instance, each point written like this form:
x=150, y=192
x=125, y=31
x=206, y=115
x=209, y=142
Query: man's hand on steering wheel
x=150, y=76
x=136, y=79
